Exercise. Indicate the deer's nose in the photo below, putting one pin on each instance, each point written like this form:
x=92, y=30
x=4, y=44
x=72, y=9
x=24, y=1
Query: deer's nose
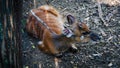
x=94, y=36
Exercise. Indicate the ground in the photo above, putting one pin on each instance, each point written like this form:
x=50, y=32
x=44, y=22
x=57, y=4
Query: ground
x=102, y=54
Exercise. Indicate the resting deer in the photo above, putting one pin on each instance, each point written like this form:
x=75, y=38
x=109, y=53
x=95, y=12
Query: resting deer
x=47, y=24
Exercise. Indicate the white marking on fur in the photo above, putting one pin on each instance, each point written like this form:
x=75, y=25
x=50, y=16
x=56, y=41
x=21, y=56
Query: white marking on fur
x=82, y=37
x=70, y=34
x=61, y=22
x=47, y=7
x=40, y=42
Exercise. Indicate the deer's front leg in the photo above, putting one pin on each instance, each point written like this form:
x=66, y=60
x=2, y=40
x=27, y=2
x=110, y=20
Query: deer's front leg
x=42, y=47
x=73, y=48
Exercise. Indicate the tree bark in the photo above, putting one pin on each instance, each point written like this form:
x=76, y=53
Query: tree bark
x=10, y=19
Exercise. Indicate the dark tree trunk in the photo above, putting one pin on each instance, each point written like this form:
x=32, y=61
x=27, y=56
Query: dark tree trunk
x=10, y=37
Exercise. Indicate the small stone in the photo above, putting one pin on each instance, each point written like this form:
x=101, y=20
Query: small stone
x=96, y=54
x=71, y=62
x=110, y=64
x=26, y=66
x=33, y=46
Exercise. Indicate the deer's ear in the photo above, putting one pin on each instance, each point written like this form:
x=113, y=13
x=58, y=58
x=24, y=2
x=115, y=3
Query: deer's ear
x=70, y=19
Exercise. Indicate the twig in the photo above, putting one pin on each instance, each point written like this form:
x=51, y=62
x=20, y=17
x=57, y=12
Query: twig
x=63, y=10
x=53, y=1
x=35, y=4
x=101, y=14
x=103, y=33
x=56, y=62
x=109, y=38
x=40, y=65
x=110, y=15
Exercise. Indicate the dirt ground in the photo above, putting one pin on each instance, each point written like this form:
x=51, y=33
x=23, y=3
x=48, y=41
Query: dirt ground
x=102, y=54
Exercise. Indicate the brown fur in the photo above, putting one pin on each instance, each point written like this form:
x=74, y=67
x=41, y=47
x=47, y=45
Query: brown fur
x=54, y=20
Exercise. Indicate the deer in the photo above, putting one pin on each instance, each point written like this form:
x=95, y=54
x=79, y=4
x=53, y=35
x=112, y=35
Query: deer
x=48, y=25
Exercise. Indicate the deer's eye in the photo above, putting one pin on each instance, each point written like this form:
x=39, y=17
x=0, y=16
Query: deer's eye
x=86, y=33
